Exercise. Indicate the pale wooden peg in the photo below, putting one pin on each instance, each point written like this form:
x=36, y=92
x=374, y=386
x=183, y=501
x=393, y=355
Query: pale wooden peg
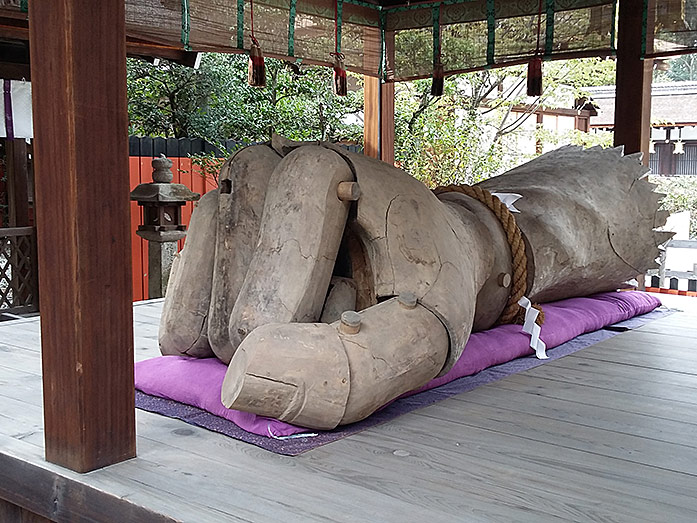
x=504, y=280
x=348, y=191
x=350, y=322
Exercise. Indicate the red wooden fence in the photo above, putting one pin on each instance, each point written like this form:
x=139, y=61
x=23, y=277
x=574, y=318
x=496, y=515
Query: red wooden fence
x=141, y=172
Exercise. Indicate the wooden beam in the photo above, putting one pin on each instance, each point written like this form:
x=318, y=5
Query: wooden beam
x=378, y=119
x=78, y=55
x=634, y=75
x=58, y=497
x=14, y=513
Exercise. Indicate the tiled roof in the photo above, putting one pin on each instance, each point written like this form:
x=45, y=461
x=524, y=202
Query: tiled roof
x=671, y=103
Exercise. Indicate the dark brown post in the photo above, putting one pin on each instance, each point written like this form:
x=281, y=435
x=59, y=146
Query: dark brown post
x=78, y=57
x=633, y=95
x=18, y=182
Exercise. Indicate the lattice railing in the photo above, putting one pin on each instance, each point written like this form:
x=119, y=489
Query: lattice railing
x=18, y=270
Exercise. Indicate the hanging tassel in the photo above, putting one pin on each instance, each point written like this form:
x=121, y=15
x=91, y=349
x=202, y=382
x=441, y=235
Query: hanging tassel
x=438, y=70
x=438, y=79
x=535, y=77
x=535, y=65
x=339, y=85
x=257, y=69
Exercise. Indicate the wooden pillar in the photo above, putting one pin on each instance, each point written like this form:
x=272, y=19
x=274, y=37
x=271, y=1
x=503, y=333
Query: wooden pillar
x=378, y=119
x=633, y=94
x=78, y=60
x=371, y=116
x=18, y=182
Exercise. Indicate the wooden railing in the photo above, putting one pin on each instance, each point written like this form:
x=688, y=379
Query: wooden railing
x=19, y=289
x=658, y=276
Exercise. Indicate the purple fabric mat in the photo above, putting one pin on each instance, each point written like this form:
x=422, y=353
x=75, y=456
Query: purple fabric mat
x=489, y=350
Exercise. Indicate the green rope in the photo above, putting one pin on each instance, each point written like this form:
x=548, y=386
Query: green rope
x=365, y=4
x=291, y=28
x=186, y=23
x=549, y=30
x=410, y=7
x=339, y=15
x=613, y=45
x=427, y=5
x=644, y=28
x=435, y=16
x=240, y=24
x=491, y=31
x=24, y=6
x=383, y=47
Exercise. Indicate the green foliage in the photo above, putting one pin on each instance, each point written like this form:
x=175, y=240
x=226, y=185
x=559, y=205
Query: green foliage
x=215, y=102
x=470, y=133
x=682, y=69
x=473, y=132
x=681, y=195
x=584, y=72
x=209, y=163
x=575, y=137
x=442, y=140
x=167, y=99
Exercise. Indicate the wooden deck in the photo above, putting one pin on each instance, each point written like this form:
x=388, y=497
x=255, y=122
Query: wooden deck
x=607, y=434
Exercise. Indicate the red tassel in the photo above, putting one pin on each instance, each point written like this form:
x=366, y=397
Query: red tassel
x=257, y=69
x=535, y=77
x=438, y=79
x=339, y=85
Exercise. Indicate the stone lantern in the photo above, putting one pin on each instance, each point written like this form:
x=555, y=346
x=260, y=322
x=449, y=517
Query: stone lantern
x=161, y=201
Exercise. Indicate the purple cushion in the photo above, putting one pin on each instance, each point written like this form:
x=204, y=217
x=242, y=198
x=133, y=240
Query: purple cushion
x=197, y=382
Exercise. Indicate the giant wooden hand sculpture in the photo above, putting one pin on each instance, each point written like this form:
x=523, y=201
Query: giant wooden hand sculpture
x=297, y=234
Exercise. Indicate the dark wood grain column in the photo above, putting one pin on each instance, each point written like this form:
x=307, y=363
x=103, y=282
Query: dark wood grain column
x=78, y=60
x=634, y=75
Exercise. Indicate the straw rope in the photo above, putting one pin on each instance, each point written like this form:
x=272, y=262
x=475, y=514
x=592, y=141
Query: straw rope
x=512, y=312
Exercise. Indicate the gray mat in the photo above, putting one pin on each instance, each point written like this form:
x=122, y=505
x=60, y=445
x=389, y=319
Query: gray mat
x=294, y=445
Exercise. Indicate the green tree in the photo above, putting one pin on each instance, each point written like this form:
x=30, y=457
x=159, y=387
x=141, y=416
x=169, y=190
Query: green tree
x=682, y=69
x=470, y=133
x=475, y=129
x=681, y=195
x=215, y=102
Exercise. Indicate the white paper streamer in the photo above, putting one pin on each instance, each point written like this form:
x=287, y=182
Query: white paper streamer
x=532, y=328
x=508, y=199
x=292, y=436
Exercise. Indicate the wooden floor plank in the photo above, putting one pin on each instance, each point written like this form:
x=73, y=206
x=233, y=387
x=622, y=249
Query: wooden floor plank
x=520, y=482
x=20, y=359
x=667, y=336
x=615, y=401
x=662, y=361
x=571, y=467
x=566, y=435
x=640, y=347
x=608, y=434
x=683, y=432
x=356, y=485
x=608, y=368
x=570, y=372
x=355, y=490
